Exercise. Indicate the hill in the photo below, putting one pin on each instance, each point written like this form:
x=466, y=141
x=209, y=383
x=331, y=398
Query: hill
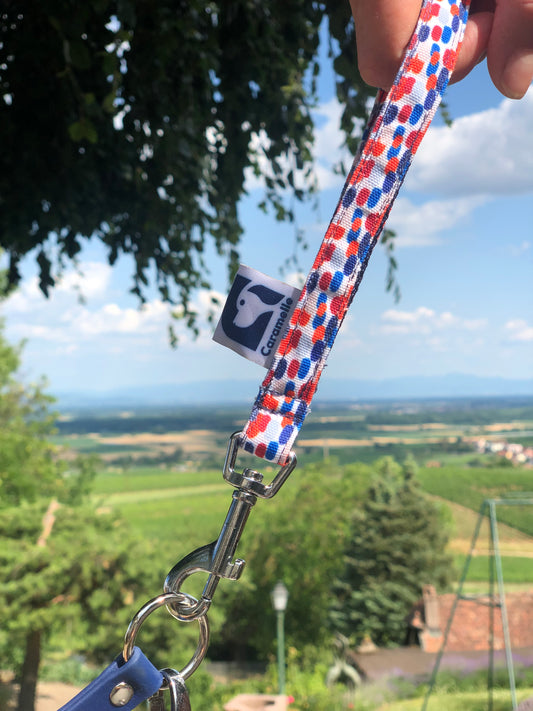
x=455, y=385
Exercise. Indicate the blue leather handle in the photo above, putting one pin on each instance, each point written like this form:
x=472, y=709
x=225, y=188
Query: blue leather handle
x=137, y=679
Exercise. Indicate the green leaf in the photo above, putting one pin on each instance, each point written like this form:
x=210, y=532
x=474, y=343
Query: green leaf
x=76, y=131
x=108, y=103
x=83, y=130
x=79, y=55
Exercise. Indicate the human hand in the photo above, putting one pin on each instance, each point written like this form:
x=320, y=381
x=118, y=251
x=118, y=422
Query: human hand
x=501, y=30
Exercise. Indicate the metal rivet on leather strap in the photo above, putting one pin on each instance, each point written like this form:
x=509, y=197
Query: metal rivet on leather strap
x=121, y=694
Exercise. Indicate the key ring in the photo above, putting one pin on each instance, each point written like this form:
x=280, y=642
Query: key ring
x=164, y=599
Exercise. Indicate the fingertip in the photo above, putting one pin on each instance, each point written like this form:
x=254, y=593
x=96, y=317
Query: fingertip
x=379, y=72
x=474, y=47
x=383, y=29
x=510, y=55
x=517, y=75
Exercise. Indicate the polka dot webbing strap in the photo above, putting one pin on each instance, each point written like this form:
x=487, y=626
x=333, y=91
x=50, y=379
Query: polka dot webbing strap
x=396, y=127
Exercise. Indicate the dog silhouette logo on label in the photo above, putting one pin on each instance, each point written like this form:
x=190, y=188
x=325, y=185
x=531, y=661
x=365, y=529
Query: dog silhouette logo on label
x=256, y=315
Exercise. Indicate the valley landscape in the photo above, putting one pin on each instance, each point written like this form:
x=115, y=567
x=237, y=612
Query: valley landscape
x=162, y=466
x=159, y=468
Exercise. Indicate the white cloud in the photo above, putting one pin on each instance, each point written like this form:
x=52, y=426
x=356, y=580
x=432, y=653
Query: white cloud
x=26, y=298
x=114, y=319
x=209, y=301
x=487, y=153
x=328, y=149
x=519, y=330
x=483, y=154
x=34, y=331
x=420, y=225
x=90, y=280
x=65, y=321
x=425, y=321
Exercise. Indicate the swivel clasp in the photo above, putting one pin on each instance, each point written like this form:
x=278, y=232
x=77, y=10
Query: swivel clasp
x=216, y=558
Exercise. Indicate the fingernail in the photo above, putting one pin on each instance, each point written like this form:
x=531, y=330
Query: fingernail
x=518, y=74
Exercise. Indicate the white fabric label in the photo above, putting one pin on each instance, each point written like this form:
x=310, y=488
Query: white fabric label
x=256, y=315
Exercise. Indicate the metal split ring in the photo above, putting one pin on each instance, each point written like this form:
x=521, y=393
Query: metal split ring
x=165, y=599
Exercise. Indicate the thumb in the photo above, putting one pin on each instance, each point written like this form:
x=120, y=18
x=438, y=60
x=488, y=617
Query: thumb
x=510, y=49
x=383, y=29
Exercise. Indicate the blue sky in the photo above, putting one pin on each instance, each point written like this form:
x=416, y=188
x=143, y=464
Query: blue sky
x=464, y=220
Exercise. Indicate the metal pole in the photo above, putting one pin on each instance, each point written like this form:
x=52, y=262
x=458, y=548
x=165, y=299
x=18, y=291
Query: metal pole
x=280, y=614
x=501, y=594
x=458, y=596
x=492, y=604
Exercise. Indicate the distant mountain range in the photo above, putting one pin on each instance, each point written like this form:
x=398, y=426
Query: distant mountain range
x=236, y=392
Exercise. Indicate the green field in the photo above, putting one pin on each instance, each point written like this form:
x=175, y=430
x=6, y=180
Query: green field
x=516, y=569
x=470, y=486
x=180, y=500
x=150, y=478
x=464, y=701
x=184, y=510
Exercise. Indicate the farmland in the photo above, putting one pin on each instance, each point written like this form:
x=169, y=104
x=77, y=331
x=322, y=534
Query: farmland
x=351, y=432
x=162, y=469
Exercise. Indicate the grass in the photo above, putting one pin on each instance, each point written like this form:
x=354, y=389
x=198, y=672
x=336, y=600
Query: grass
x=463, y=701
x=515, y=569
x=178, y=511
x=185, y=509
x=471, y=486
x=152, y=478
x=194, y=519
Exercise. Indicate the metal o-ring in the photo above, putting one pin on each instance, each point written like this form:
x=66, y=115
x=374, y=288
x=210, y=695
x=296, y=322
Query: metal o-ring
x=154, y=604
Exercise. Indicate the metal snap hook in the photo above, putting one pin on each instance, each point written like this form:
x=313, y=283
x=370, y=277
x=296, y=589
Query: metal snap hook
x=216, y=558
x=168, y=598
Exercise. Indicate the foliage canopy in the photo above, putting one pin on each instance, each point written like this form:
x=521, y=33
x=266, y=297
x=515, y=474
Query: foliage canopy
x=396, y=545
x=135, y=123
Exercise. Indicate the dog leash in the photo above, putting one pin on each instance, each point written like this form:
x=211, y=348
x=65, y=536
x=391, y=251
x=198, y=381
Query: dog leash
x=396, y=127
x=397, y=124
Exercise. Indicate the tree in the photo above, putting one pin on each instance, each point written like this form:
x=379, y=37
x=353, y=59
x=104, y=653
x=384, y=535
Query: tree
x=75, y=578
x=63, y=563
x=134, y=123
x=396, y=544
